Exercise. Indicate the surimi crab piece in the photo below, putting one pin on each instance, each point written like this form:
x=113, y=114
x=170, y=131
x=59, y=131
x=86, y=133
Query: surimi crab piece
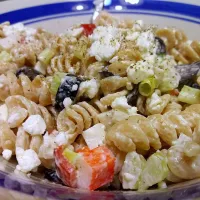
x=86, y=169
x=100, y=163
x=65, y=170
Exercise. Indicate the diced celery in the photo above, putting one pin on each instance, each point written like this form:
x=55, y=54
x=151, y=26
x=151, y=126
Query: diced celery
x=166, y=86
x=46, y=56
x=155, y=171
x=57, y=78
x=5, y=56
x=189, y=95
x=147, y=86
x=131, y=170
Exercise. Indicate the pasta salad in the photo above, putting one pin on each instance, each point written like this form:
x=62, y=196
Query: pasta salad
x=113, y=105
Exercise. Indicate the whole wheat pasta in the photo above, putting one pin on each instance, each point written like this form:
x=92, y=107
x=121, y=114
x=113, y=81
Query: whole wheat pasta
x=36, y=90
x=117, y=97
x=21, y=106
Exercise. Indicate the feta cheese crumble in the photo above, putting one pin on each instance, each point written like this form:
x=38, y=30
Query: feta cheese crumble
x=120, y=102
x=61, y=138
x=34, y=125
x=146, y=40
x=46, y=150
x=154, y=102
x=106, y=42
x=94, y=136
x=19, y=27
x=27, y=160
x=71, y=70
x=102, y=31
x=89, y=88
x=121, y=110
x=104, y=49
x=10, y=41
x=140, y=71
x=15, y=33
x=74, y=87
x=161, y=67
x=165, y=72
x=7, y=154
x=67, y=102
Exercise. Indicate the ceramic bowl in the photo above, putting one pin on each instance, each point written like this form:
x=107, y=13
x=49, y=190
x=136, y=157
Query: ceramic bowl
x=56, y=16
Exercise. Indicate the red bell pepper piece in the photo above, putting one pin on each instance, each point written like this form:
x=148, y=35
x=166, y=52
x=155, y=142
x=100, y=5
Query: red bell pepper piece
x=88, y=29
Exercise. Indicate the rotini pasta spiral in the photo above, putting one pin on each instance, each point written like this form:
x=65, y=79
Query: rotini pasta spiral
x=154, y=104
x=93, y=70
x=36, y=90
x=134, y=133
x=77, y=118
x=46, y=39
x=189, y=50
x=183, y=50
x=63, y=44
x=60, y=63
x=71, y=55
x=138, y=132
x=98, y=105
x=129, y=51
x=170, y=125
x=119, y=67
x=20, y=107
x=127, y=55
x=173, y=38
x=24, y=54
x=181, y=165
x=164, y=127
x=7, y=66
x=173, y=107
x=7, y=137
x=112, y=84
x=109, y=98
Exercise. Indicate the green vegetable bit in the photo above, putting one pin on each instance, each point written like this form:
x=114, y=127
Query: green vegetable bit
x=46, y=56
x=189, y=95
x=70, y=155
x=57, y=79
x=147, y=86
x=155, y=171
